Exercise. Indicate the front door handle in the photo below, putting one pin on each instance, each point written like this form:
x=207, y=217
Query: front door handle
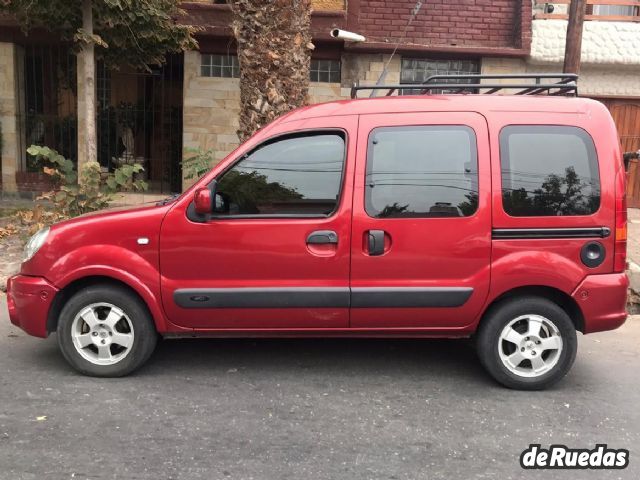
x=376, y=242
x=320, y=237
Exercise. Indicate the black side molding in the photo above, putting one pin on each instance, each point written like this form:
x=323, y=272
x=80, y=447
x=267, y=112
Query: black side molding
x=529, y=233
x=290, y=297
x=322, y=297
x=414, y=297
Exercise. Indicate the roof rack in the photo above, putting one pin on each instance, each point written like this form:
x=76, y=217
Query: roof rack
x=557, y=84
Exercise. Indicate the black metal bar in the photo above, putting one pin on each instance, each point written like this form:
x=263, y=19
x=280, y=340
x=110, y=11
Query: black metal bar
x=549, y=233
x=565, y=77
x=452, y=86
x=565, y=83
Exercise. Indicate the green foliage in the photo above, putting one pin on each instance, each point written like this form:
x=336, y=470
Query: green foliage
x=249, y=189
x=197, y=164
x=95, y=190
x=135, y=32
x=62, y=169
x=558, y=195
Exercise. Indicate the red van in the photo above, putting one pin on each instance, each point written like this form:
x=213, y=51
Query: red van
x=500, y=217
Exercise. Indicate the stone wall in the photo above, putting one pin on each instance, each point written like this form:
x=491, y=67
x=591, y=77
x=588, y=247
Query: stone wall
x=211, y=105
x=8, y=116
x=210, y=111
x=603, y=43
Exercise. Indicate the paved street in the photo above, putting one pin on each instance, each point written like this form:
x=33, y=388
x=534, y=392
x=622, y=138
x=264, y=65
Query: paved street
x=307, y=409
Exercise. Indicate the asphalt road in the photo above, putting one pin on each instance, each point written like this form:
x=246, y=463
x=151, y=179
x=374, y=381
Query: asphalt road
x=307, y=409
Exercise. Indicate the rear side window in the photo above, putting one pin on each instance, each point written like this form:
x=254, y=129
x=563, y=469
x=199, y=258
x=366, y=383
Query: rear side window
x=548, y=171
x=422, y=171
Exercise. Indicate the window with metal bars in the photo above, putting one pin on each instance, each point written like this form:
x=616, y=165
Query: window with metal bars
x=227, y=66
x=615, y=10
x=417, y=70
x=327, y=71
x=223, y=66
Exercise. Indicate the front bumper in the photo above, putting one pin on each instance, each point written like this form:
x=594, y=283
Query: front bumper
x=29, y=300
x=603, y=301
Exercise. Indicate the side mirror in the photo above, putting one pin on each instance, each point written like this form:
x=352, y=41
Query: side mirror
x=203, y=201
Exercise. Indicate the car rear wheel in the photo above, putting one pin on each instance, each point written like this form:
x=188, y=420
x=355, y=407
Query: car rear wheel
x=527, y=343
x=106, y=331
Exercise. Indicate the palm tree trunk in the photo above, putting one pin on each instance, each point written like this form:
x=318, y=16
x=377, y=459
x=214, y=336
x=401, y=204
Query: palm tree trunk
x=274, y=48
x=86, y=92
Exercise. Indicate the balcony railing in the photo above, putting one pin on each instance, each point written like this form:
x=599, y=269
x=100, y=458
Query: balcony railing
x=597, y=10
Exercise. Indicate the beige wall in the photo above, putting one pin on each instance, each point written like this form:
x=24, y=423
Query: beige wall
x=11, y=150
x=212, y=105
x=210, y=111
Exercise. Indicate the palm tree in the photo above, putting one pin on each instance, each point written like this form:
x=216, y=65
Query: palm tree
x=274, y=49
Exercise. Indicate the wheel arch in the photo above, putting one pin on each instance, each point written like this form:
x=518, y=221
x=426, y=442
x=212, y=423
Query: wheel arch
x=560, y=298
x=65, y=293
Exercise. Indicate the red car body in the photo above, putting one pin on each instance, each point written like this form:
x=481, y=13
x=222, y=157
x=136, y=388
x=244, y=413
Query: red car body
x=249, y=255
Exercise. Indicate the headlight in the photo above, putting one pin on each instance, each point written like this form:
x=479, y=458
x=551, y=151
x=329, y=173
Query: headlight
x=35, y=242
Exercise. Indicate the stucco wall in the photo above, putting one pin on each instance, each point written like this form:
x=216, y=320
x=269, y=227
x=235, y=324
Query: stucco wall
x=603, y=43
x=8, y=116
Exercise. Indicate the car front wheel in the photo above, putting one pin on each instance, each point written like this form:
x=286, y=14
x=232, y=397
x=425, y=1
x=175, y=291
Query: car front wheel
x=106, y=331
x=527, y=343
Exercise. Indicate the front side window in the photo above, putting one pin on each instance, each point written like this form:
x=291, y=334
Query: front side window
x=422, y=171
x=298, y=175
x=548, y=171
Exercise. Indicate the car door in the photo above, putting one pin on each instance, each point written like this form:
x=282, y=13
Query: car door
x=422, y=221
x=276, y=254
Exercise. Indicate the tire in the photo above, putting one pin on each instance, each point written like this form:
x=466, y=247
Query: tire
x=507, y=334
x=106, y=331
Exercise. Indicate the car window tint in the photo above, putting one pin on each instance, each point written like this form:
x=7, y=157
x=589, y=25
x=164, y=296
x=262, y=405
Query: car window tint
x=291, y=176
x=548, y=171
x=422, y=171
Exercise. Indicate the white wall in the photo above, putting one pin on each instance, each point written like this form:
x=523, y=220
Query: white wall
x=603, y=43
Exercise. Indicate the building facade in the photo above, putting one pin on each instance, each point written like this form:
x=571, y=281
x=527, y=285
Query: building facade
x=192, y=102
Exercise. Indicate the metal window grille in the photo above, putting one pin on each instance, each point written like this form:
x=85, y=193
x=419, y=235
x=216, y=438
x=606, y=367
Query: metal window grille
x=223, y=66
x=418, y=70
x=327, y=71
x=604, y=10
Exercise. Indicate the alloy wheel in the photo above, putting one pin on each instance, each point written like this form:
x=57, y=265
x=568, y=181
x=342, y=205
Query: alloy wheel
x=530, y=346
x=102, y=334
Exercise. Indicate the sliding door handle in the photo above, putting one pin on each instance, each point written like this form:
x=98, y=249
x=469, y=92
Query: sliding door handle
x=320, y=237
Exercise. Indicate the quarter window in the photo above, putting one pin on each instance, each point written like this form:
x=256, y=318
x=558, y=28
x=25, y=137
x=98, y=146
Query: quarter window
x=548, y=171
x=290, y=176
x=422, y=171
